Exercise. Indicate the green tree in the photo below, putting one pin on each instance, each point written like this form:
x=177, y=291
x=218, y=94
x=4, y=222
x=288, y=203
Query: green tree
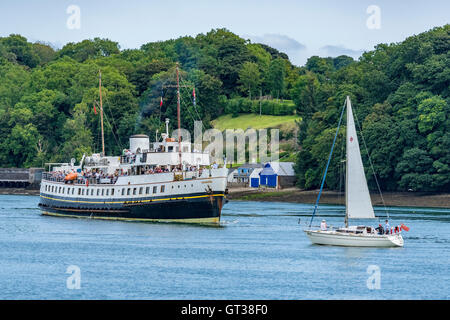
x=90, y=49
x=342, y=61
x=249, y=78
x=13, y=84
x=20, y=49
x=19, y=148
x=383, y=140
x=77, y=135
x=322, y=66
x=276, y=76
x=433, y=113
x=45, y=52
x=415, y=169
x=305, y=94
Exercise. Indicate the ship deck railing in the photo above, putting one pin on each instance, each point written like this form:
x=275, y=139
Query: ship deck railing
x=47, y=176
x=81, y=180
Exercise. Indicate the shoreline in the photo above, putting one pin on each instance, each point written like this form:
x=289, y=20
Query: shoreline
x=294, y=195
x=19, y=191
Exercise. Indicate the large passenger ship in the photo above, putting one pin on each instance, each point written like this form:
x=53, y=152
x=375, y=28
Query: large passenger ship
x=161, y=181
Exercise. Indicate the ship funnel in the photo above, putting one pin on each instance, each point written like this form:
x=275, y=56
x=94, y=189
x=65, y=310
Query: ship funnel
x=139, y=143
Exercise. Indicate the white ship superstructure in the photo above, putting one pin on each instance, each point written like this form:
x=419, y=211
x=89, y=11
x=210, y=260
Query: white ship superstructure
x=145, y=183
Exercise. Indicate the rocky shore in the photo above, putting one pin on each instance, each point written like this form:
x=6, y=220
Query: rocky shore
x=396, y=199
x=407, y=199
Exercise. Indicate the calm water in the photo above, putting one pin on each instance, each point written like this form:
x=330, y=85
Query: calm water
x=260, y=252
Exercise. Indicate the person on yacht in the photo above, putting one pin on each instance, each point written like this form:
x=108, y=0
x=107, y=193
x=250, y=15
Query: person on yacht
x=387, y=227
x=380, y=229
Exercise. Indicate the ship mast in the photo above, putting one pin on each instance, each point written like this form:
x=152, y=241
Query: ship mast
x=178, y=116
x=178, y=109
x=101, y=111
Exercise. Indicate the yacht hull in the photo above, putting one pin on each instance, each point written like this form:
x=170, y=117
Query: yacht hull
x=354, y=240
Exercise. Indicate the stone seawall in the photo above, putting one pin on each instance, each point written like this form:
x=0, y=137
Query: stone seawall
x=20, y=177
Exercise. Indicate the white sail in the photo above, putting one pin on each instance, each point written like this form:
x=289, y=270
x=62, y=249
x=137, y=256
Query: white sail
x=358, y=203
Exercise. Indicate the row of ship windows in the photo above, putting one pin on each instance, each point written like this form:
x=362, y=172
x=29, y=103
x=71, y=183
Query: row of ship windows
x=105, y=191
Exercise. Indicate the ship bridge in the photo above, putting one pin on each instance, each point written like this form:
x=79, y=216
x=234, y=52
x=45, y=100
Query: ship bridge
x=162, y=153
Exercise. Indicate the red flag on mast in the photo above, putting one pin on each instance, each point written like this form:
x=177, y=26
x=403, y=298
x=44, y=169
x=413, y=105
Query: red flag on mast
x=95, y=110
x=161, y=103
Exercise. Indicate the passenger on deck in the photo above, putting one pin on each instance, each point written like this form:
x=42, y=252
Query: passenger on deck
x=387, y=227
x=380, y=229
x=323, y=225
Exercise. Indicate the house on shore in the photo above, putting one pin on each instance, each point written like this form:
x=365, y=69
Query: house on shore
x=241, y=175
x=230, y=175
x=274, y=175
x=254, y=178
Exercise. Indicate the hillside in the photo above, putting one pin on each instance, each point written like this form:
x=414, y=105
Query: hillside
x=255, y=121
x=47, y=96
x=400, y=93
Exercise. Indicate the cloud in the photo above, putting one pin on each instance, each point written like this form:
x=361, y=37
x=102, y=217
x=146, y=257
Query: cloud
x=335, y=51
x=278, y=41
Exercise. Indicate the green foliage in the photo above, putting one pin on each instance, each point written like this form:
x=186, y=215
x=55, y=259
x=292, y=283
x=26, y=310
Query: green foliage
x=322, y=66
x=267, y=107
x=13, y=80
x=45, y=52
x=249, y=78
x=90, y=49
x=78, y=137
x=400, y=96
x=433, y=113
x=305, y=93
x=276, y=76
x=52, y=93
x=19, y=148
x=17, y=49
x=417, y=171
x=400, y=93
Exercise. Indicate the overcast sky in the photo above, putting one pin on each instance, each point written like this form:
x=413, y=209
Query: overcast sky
x=299, y=28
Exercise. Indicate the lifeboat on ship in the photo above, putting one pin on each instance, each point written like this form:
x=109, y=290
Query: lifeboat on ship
x=71, y=176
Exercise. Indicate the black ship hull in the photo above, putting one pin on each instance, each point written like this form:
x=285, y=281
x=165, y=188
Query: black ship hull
x=189, y=208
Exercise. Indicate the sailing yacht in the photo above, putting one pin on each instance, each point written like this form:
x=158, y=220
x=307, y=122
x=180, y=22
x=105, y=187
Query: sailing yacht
x=357, y=201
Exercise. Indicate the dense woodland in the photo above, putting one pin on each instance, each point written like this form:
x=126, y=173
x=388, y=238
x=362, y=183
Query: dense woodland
x=49, y=100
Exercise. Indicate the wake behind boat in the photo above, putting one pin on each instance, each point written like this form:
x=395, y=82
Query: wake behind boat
x=357, y=200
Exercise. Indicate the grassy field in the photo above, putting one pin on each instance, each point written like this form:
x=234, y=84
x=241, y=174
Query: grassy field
x=255, y=121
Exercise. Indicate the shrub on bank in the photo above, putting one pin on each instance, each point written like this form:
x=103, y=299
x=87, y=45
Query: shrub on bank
x=235, y=106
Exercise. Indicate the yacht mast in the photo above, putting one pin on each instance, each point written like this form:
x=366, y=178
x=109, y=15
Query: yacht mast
x=346, y=164
x=326, y=168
